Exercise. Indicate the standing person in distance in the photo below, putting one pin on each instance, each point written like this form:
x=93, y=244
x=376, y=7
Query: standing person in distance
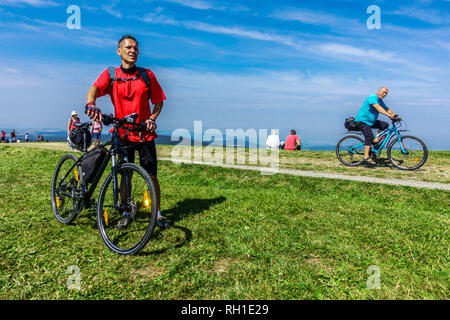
x=73, y=119
x=96, y=132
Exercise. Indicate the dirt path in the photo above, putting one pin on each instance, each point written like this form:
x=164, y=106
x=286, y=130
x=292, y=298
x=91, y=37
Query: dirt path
x=269, y=171
x=434, y=175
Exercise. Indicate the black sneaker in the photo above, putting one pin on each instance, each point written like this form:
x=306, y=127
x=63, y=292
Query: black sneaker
x=162, y=222
x=123, y=223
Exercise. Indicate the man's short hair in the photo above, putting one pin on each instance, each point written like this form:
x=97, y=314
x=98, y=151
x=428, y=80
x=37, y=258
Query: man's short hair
x=293, y=132
x=127, y=36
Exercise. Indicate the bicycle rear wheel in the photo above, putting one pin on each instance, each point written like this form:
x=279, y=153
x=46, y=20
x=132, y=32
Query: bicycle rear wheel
x=65, y=189
x=350, y=150
x=127, y=226
x=408, y=154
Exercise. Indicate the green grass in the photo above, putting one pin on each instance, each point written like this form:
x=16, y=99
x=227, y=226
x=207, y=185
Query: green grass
x=436, y=169
x=236, y=235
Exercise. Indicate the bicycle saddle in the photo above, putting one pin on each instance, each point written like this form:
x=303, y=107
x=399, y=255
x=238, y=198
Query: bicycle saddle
x=82, y=125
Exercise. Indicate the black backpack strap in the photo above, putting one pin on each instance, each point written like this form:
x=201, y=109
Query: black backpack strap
x=144, y=75
x=112, y=75
x=141, y=72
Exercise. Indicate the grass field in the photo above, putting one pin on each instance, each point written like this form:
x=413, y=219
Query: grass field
x=436, y=169
x=236, y=235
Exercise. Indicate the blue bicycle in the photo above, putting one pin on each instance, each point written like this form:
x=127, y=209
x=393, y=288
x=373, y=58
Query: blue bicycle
x=404, y=152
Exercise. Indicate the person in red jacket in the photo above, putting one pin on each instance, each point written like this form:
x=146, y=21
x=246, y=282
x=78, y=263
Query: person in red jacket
x=292, y=141
x=131, y=94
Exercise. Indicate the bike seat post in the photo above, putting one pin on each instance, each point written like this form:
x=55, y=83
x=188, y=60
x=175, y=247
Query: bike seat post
x=84, y=142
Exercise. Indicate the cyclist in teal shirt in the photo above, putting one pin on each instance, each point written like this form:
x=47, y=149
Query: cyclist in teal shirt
x=367, y=119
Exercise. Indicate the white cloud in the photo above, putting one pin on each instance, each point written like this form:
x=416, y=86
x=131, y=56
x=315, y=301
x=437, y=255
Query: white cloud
x=431, y=16
x=196, y=4
x=236, y=31
x=210, y=5
x=312, y=17
x=112, y=10
x=34, y=3
x=243, y=33
x=337, y=49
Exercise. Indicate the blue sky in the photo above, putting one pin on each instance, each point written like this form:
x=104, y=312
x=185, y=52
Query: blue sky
x=280, y=64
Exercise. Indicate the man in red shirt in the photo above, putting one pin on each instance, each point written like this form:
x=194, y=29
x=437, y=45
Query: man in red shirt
x=292, y=141
x=130, y=94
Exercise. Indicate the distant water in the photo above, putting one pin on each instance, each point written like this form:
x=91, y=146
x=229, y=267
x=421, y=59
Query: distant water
x=60, y=136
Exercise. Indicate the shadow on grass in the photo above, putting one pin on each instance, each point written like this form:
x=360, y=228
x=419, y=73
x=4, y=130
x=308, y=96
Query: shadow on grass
x=384, y=163
x=180, y=211
x=189, y=207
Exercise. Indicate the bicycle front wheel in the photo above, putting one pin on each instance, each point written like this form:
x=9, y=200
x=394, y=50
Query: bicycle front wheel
x=66, y=189
x=127, y=225
x=409, y=153
x=350, y=150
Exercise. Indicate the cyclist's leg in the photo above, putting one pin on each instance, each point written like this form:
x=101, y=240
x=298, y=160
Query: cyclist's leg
x=381, y=126
x=149, y=161
x=131, y=157
x=368, y=140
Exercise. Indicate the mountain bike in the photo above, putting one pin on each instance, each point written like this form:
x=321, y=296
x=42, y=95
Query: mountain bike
x=404, y=152
x=127, y=204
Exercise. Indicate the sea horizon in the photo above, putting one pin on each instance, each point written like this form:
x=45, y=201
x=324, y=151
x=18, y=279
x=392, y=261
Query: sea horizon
x=165, y=138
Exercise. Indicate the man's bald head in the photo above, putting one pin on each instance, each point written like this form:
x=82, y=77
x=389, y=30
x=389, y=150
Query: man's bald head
x=382, y=92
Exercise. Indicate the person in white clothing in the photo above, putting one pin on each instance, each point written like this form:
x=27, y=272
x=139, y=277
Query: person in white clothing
x=273, y=140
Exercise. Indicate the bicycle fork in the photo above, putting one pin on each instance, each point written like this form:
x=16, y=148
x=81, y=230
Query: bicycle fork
x=116, y=187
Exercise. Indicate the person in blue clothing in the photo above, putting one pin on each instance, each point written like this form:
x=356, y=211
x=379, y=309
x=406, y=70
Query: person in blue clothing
x=367, y=119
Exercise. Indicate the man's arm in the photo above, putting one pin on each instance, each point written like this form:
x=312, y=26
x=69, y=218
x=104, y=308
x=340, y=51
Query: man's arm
x=92, y=95
x=151, y=125
x=380, y=109
x=68, y=126
x=156, y=111
x=90, y=99
x=392, y=113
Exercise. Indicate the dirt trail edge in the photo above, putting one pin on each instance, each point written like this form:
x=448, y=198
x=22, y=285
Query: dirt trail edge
x=313, y=174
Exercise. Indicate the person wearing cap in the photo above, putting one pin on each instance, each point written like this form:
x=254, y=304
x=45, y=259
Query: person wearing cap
x=73, y=119
x=131, y=90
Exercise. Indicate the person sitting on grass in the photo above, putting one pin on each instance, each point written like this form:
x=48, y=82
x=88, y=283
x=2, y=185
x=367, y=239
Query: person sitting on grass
x=292, y=141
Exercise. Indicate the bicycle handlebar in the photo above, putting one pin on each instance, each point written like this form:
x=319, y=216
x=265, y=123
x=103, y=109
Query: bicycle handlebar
x=396, y=119
x=128, y=120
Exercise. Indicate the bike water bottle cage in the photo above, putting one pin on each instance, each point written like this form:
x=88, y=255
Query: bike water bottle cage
x=141, y=73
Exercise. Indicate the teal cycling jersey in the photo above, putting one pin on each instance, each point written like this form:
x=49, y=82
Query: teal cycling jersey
x=368, y=114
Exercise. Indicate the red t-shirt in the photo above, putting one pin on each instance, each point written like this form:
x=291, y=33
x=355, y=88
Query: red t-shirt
x=290, y=142
x=131, y=96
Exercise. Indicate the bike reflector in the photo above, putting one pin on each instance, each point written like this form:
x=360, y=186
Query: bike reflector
x=146, y=200
x=105, y=216
x=57, y=201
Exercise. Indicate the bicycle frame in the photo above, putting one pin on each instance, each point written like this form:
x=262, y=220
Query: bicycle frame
x=111, y=155
x=388, y=135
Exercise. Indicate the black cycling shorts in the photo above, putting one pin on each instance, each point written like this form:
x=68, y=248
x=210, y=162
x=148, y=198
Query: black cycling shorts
x=367, y=130
x=147, y=155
